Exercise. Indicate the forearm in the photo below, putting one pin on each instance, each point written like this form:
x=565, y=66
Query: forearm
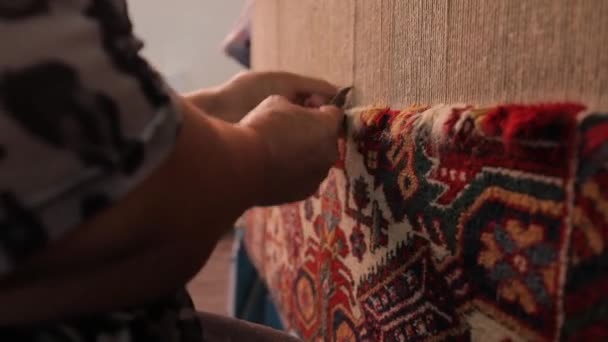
x=183, y=207
x=151, y=274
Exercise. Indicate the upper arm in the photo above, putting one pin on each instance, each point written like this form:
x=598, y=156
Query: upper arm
x=83, y=118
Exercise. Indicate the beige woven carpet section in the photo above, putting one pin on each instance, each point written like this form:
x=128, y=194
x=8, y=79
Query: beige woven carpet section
x=399, y=52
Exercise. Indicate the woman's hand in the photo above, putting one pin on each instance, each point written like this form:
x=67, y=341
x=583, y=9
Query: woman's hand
x=234, y=99
x=298, y=146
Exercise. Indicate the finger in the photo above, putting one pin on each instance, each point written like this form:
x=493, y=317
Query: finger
x=275, y=99
x=315, y=101
x=331, y=114
x=309, y=85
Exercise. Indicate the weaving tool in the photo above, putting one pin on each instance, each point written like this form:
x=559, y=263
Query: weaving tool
x=339, y=101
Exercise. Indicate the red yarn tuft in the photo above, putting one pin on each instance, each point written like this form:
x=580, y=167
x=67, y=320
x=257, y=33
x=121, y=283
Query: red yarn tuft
x=451, y=121
x=553, y=122
x=594, y=138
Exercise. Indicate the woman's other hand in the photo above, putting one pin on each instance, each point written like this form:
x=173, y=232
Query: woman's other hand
x=241, y=94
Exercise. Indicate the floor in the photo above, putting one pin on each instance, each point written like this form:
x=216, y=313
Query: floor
x=209, y=288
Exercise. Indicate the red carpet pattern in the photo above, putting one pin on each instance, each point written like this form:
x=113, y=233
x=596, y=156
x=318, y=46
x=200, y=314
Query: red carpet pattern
x=448, y=223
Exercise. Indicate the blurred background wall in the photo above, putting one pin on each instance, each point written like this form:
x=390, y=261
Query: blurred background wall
x=183, y=38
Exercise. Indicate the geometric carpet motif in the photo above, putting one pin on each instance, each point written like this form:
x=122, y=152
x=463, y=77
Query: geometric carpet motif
x=448, y=223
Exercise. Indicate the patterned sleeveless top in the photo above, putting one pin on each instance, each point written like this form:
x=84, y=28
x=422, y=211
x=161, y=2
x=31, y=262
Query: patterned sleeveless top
x=78, y=102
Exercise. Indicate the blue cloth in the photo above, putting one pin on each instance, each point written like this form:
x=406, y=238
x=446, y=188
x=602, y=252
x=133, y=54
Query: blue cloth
x=252, y=301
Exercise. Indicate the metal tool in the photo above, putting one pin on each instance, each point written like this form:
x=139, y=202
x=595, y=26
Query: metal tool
x=340, y=99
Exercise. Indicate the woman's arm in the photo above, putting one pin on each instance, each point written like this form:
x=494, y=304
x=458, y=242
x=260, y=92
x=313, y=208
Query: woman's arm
x=202, y=180
x=158, y=236
x=229, y=102
x=96, y=196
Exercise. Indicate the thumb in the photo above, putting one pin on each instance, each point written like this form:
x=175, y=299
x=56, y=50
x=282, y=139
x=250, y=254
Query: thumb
x=330, y=115
x=333, y=113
